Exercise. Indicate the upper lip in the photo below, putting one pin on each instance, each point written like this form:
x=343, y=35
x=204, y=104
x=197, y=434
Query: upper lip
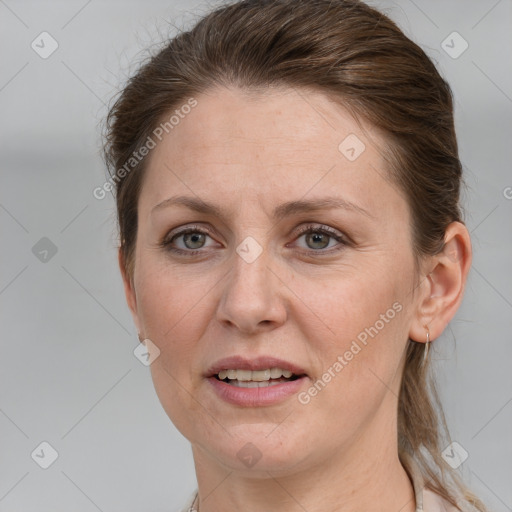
x=255, y=363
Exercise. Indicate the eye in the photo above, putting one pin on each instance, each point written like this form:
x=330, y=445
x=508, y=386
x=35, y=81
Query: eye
x=319, y=238
x=188, y=241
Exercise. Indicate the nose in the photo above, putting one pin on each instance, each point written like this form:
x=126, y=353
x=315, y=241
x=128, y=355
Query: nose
x=252, y=300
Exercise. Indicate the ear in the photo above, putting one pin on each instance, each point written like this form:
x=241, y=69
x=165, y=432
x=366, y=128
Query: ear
x=442, y=287
x=129, y=291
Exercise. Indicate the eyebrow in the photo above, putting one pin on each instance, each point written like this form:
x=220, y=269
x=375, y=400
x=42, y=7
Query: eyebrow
x=280, y=212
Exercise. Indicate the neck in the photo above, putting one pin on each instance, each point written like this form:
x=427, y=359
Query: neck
x=359, y=479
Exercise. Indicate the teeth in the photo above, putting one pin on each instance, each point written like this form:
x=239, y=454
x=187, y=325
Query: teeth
x=253, y=384
x=254, y=376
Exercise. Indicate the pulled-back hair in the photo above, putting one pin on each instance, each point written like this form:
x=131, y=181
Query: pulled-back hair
x=357, y=56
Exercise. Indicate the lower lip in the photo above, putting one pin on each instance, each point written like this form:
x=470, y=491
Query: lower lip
x=256, y=397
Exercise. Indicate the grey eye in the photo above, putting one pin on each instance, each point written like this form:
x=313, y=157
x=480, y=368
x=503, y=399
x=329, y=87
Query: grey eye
x=194, y=240
x=317, y=240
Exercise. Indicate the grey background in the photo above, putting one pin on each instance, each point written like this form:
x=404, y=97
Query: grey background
x=68, y=373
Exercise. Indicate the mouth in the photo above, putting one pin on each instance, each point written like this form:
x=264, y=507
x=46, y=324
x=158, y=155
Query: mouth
x=256, y=382
x=256, y=378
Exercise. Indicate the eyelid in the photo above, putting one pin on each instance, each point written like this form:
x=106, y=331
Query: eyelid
x=190, y=228
x=312, y=226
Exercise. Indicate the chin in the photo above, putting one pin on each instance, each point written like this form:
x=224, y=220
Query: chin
x=257, y=450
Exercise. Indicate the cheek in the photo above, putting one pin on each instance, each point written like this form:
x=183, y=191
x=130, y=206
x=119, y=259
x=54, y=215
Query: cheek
x=358, y=370
x=172, y=304
x=345, y=305
x=357, y=334
x=174, y=312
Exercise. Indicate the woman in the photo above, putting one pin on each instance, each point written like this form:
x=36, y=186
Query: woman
x=287, y=184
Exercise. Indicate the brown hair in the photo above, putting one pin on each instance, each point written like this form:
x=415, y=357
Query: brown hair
x=359, y=57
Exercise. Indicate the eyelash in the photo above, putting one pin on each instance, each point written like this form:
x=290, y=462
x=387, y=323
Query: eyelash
x=324, y=230
x=304, y=230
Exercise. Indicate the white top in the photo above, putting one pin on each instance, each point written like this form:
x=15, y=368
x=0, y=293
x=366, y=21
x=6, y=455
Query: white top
x=426, y=500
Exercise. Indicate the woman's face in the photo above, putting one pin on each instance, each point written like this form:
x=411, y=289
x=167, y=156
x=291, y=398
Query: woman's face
x=268, y=230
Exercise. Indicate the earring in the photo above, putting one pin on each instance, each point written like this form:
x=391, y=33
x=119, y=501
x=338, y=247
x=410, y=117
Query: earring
x=427, y=346
x=141, y=339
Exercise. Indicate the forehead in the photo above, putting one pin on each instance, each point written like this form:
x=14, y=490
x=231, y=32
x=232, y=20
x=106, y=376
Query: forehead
x=239, y=145
x=278, y=121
